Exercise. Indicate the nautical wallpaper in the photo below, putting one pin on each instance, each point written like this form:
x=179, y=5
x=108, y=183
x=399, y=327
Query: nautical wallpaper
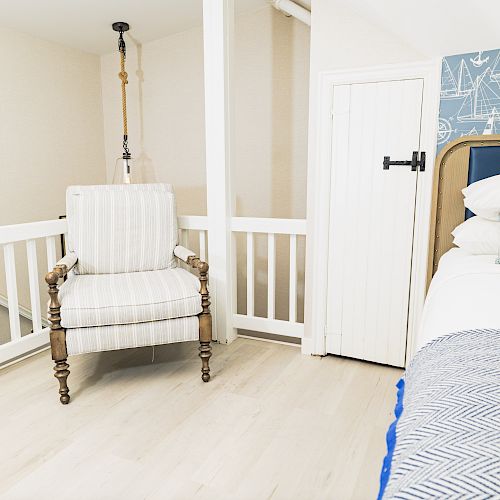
x=470, y=96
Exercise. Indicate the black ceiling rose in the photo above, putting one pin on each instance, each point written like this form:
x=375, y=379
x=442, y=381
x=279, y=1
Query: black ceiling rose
x=121, y=26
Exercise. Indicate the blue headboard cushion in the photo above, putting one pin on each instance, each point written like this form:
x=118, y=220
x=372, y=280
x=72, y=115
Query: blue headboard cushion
x=484, y=162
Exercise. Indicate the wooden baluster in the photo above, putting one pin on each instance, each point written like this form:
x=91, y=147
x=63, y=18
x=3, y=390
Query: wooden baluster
x=250, y=274
x=50, y=242
x=36, y=314
x=12, y=297
x=203, y=247
x=292, y=310
x=271, y=275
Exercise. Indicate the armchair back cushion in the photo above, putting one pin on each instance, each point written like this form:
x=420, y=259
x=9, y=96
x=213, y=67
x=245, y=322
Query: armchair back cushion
x=121, y=228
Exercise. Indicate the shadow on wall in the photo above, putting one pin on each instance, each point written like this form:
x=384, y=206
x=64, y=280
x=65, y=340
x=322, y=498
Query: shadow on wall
x=191, y=198
x=286, y=172
x=143, y=160
x=282, y=116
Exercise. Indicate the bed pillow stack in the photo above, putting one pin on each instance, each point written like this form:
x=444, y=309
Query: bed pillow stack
x=480, y=235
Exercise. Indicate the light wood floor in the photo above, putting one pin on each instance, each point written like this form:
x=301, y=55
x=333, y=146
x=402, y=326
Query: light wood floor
x=272, y=423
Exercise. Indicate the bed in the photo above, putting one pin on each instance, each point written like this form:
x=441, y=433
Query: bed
x=464, y=295
x=445, y=440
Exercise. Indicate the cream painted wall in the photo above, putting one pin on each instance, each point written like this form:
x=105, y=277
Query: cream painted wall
x=166, y=120
x=341, y=39
x=52, y=128
x=166, y=125
x=165, y=113
x=51, y=133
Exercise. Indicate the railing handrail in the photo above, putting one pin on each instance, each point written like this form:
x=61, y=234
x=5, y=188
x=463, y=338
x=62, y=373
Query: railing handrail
x=32, y=230
x=194, y=222
x=268, y=225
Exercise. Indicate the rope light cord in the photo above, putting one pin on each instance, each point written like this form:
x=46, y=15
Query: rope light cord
x=124, y=81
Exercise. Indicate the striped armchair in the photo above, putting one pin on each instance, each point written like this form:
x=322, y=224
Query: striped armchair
x=123, y=286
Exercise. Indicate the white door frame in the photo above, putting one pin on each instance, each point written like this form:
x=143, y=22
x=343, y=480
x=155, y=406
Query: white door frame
x=318, y=191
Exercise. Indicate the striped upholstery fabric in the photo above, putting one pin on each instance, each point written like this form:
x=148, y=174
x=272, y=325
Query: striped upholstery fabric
x=122, y=228
x=118, y=299
x=108, y=338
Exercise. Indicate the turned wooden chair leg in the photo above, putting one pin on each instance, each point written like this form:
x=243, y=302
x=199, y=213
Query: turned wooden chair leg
x=61, y=374
x=58, y=338
x=205, y=354
x=205, y=324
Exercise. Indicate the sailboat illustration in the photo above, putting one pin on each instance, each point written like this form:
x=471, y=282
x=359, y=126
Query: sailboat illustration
x=482, y=101
x=472, y=131
x=477, y=61
x=456, y=87
x=495, y=69
x=490, y=124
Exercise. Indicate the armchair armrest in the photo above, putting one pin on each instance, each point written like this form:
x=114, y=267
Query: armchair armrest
x=62, y=268
x=184, y=254
x=190, y=258
x=64, y=265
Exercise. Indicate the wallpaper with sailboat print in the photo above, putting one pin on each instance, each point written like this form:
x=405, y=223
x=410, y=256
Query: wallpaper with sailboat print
x=470, y=95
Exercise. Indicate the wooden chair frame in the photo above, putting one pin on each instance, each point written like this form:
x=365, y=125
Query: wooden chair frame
x=58, y=333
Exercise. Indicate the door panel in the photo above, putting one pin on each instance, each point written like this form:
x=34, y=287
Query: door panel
x=371, y=218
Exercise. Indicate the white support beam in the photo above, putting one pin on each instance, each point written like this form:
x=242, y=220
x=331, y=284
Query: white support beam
x=218, y=20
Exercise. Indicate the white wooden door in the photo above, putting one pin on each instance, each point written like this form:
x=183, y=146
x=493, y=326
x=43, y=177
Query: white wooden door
x=372, y=218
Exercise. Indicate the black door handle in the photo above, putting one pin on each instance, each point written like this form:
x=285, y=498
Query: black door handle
x=414, y=162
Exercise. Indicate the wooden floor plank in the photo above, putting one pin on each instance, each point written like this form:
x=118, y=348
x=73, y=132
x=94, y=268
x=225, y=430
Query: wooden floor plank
x=272, y=423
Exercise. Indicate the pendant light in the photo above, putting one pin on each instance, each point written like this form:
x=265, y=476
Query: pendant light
x=126, y=168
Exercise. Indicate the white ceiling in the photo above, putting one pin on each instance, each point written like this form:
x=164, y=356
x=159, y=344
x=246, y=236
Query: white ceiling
x=86, y=24
x=430, y=26
x=435, y=27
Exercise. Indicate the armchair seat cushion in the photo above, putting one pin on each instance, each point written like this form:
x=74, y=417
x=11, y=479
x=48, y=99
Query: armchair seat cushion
x=109, y=338
x=92, y=300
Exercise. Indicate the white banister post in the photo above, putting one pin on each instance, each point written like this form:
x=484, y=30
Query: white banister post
x=218, y=19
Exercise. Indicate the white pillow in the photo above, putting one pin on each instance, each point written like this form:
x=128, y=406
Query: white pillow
x=478, y=236
x=483, y=198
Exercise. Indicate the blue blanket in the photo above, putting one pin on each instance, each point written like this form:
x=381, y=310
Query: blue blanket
x=445, y=441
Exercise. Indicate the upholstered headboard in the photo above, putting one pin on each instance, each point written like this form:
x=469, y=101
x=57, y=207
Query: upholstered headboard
x=460, y=163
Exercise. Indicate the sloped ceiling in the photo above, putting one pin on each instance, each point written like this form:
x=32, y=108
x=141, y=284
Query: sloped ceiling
x=86, y=24
x=435, y=27
x=432, y=27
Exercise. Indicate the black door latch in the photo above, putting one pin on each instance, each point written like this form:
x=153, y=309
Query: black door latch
x=414, y=162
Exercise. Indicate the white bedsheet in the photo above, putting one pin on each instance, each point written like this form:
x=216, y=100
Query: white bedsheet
x=464, y=295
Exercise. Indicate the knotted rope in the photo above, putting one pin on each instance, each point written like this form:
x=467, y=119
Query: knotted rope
x=124, y=79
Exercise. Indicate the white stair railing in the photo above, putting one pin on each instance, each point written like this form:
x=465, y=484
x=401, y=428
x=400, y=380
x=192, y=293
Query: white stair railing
x=294, y=228
x=20, y=345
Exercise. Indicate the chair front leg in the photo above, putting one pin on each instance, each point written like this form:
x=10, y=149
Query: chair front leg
x=58, y=337
x=205, y=323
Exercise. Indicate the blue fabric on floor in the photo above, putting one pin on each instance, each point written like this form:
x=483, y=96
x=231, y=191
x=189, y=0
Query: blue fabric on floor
x=391, y=439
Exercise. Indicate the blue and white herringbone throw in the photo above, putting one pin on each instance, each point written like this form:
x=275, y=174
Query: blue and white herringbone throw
x=446, y=442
